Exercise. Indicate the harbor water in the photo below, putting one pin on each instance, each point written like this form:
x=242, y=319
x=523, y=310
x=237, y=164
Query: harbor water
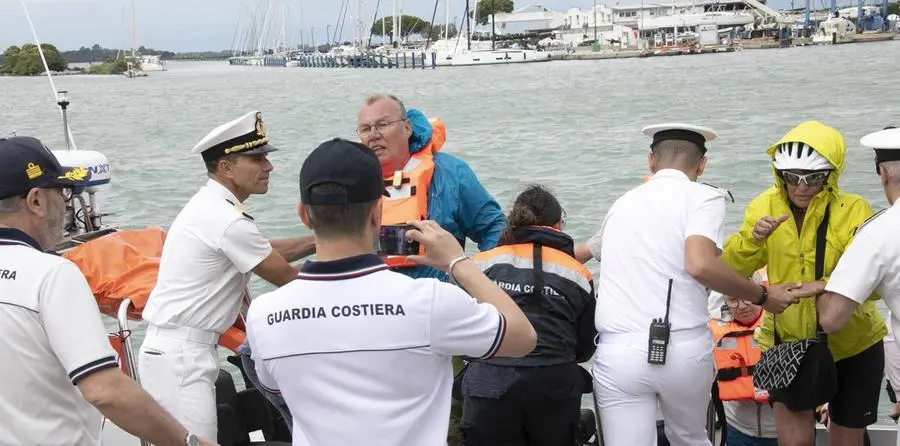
x=571, y=125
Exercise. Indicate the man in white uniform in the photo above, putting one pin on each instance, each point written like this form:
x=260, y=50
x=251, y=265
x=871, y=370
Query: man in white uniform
x=360, y=353
x=210, y=252
x=663, y=239
x=58, y=366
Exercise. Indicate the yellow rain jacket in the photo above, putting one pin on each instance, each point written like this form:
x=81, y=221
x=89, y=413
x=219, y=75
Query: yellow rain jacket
x=790, y=257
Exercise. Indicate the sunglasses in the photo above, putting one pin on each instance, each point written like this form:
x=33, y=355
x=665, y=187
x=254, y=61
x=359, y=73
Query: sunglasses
x=814, y=179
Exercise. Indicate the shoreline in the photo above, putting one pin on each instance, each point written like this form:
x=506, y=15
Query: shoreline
x=587, y=54
x=750, y=44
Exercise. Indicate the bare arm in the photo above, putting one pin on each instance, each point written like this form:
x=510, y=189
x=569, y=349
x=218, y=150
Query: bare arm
x=854, y=280
x=250, y=251
x=275, y=269
x=293, y=249
x=441, y=248
x=583, y=252
x=702, y=262
x=121, y=400
x=590, y=248
x=520, y=337
x=834, y=311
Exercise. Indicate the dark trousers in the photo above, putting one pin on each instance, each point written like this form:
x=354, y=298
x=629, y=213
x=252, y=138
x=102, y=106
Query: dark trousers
x=540, y=406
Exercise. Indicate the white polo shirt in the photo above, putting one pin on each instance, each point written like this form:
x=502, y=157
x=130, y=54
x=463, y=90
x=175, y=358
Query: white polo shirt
x=640, y=246
x=872, y=263
x=361, y=354
x=52, y=336
x=206, y=262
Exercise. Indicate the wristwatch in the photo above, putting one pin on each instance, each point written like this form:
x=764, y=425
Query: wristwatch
x=763, y=296
x=191, y=440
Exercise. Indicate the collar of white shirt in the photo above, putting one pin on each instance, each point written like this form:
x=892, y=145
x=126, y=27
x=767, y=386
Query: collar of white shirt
x=218, y=189
x=341, y=269
x=670, y=173
x=13, y=236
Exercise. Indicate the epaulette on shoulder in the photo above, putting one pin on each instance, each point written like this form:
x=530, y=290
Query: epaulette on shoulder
x=868, y=220
x=240, y=209
x=725, y=192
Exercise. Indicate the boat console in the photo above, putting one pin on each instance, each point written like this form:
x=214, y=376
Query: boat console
x=84, y=220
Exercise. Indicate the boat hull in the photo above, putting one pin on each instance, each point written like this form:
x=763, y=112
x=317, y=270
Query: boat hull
x=496, y=57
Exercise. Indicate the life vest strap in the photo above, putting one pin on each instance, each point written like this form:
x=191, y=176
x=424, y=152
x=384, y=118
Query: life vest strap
x=397, y=182
x=739, y=334
x=732, y=373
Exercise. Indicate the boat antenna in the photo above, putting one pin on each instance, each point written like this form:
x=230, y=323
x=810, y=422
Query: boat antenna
x=59, y=95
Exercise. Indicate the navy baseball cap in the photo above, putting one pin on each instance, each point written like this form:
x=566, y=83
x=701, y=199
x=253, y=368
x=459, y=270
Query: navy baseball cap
x=25, y=163
x=346, y=163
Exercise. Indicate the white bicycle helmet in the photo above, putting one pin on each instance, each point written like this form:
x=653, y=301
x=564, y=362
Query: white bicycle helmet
x=798, y=155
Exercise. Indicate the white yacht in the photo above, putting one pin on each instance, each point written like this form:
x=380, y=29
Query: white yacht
x=152, y=63
x=834, y=30
x=498, y=56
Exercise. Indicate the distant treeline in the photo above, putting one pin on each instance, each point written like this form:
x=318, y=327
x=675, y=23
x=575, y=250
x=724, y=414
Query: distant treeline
x=96, y=53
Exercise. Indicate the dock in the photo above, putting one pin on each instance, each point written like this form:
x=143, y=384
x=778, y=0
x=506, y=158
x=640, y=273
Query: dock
x=866, y=36
x=738, y=45
x=413, y=60
x=651, y=52
x=405, y=59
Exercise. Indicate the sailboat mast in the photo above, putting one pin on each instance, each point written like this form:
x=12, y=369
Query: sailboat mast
x=468, y=27
x=447, y=20
x=133, y=33
x=400, y=20
x=493, y=28
x=394, y=23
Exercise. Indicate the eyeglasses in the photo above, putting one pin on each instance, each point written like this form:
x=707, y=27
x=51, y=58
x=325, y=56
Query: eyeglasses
x=814, y=179
x=380, y=127
x=65, y=191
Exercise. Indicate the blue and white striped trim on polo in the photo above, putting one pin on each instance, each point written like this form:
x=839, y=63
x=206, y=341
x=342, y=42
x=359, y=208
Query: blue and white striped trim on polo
x=342, y=269
x=498, y=339
x=91, y=367
x=342, y=275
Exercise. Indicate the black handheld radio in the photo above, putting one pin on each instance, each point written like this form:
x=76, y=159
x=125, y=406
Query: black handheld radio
x=659, y=335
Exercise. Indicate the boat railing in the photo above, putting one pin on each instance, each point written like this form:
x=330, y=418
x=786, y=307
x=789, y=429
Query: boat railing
x=126, y=353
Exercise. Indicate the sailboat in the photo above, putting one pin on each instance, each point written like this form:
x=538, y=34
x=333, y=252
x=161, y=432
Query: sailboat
x=488, y=56
x=134, y=65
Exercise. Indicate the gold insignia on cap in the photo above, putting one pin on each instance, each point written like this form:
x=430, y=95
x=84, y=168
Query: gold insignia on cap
x=76, y=174
x=33, y=171
x=260, y=127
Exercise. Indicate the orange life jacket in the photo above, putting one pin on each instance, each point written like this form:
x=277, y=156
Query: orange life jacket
x=409, y=189
x=736, y=354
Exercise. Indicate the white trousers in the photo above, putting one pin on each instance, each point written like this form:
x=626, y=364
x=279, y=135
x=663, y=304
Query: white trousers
x=179, y=367
x=629, y=390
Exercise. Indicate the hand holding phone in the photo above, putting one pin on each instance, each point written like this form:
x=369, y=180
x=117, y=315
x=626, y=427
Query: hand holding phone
x=440, y=246
x=392, y=241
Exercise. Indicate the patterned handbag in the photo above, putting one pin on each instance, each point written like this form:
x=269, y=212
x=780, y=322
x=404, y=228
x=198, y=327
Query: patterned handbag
x=779, y=367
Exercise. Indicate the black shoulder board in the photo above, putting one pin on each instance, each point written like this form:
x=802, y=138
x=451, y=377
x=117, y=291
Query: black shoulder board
x=725, y=192
x=241, y=209
x=873, y=217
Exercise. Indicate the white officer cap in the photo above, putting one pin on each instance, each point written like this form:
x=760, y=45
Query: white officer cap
x=886, y=144
x=680, y=131
x=243, y=136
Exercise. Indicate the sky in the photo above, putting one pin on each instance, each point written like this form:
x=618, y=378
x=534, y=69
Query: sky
x=201, y=25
